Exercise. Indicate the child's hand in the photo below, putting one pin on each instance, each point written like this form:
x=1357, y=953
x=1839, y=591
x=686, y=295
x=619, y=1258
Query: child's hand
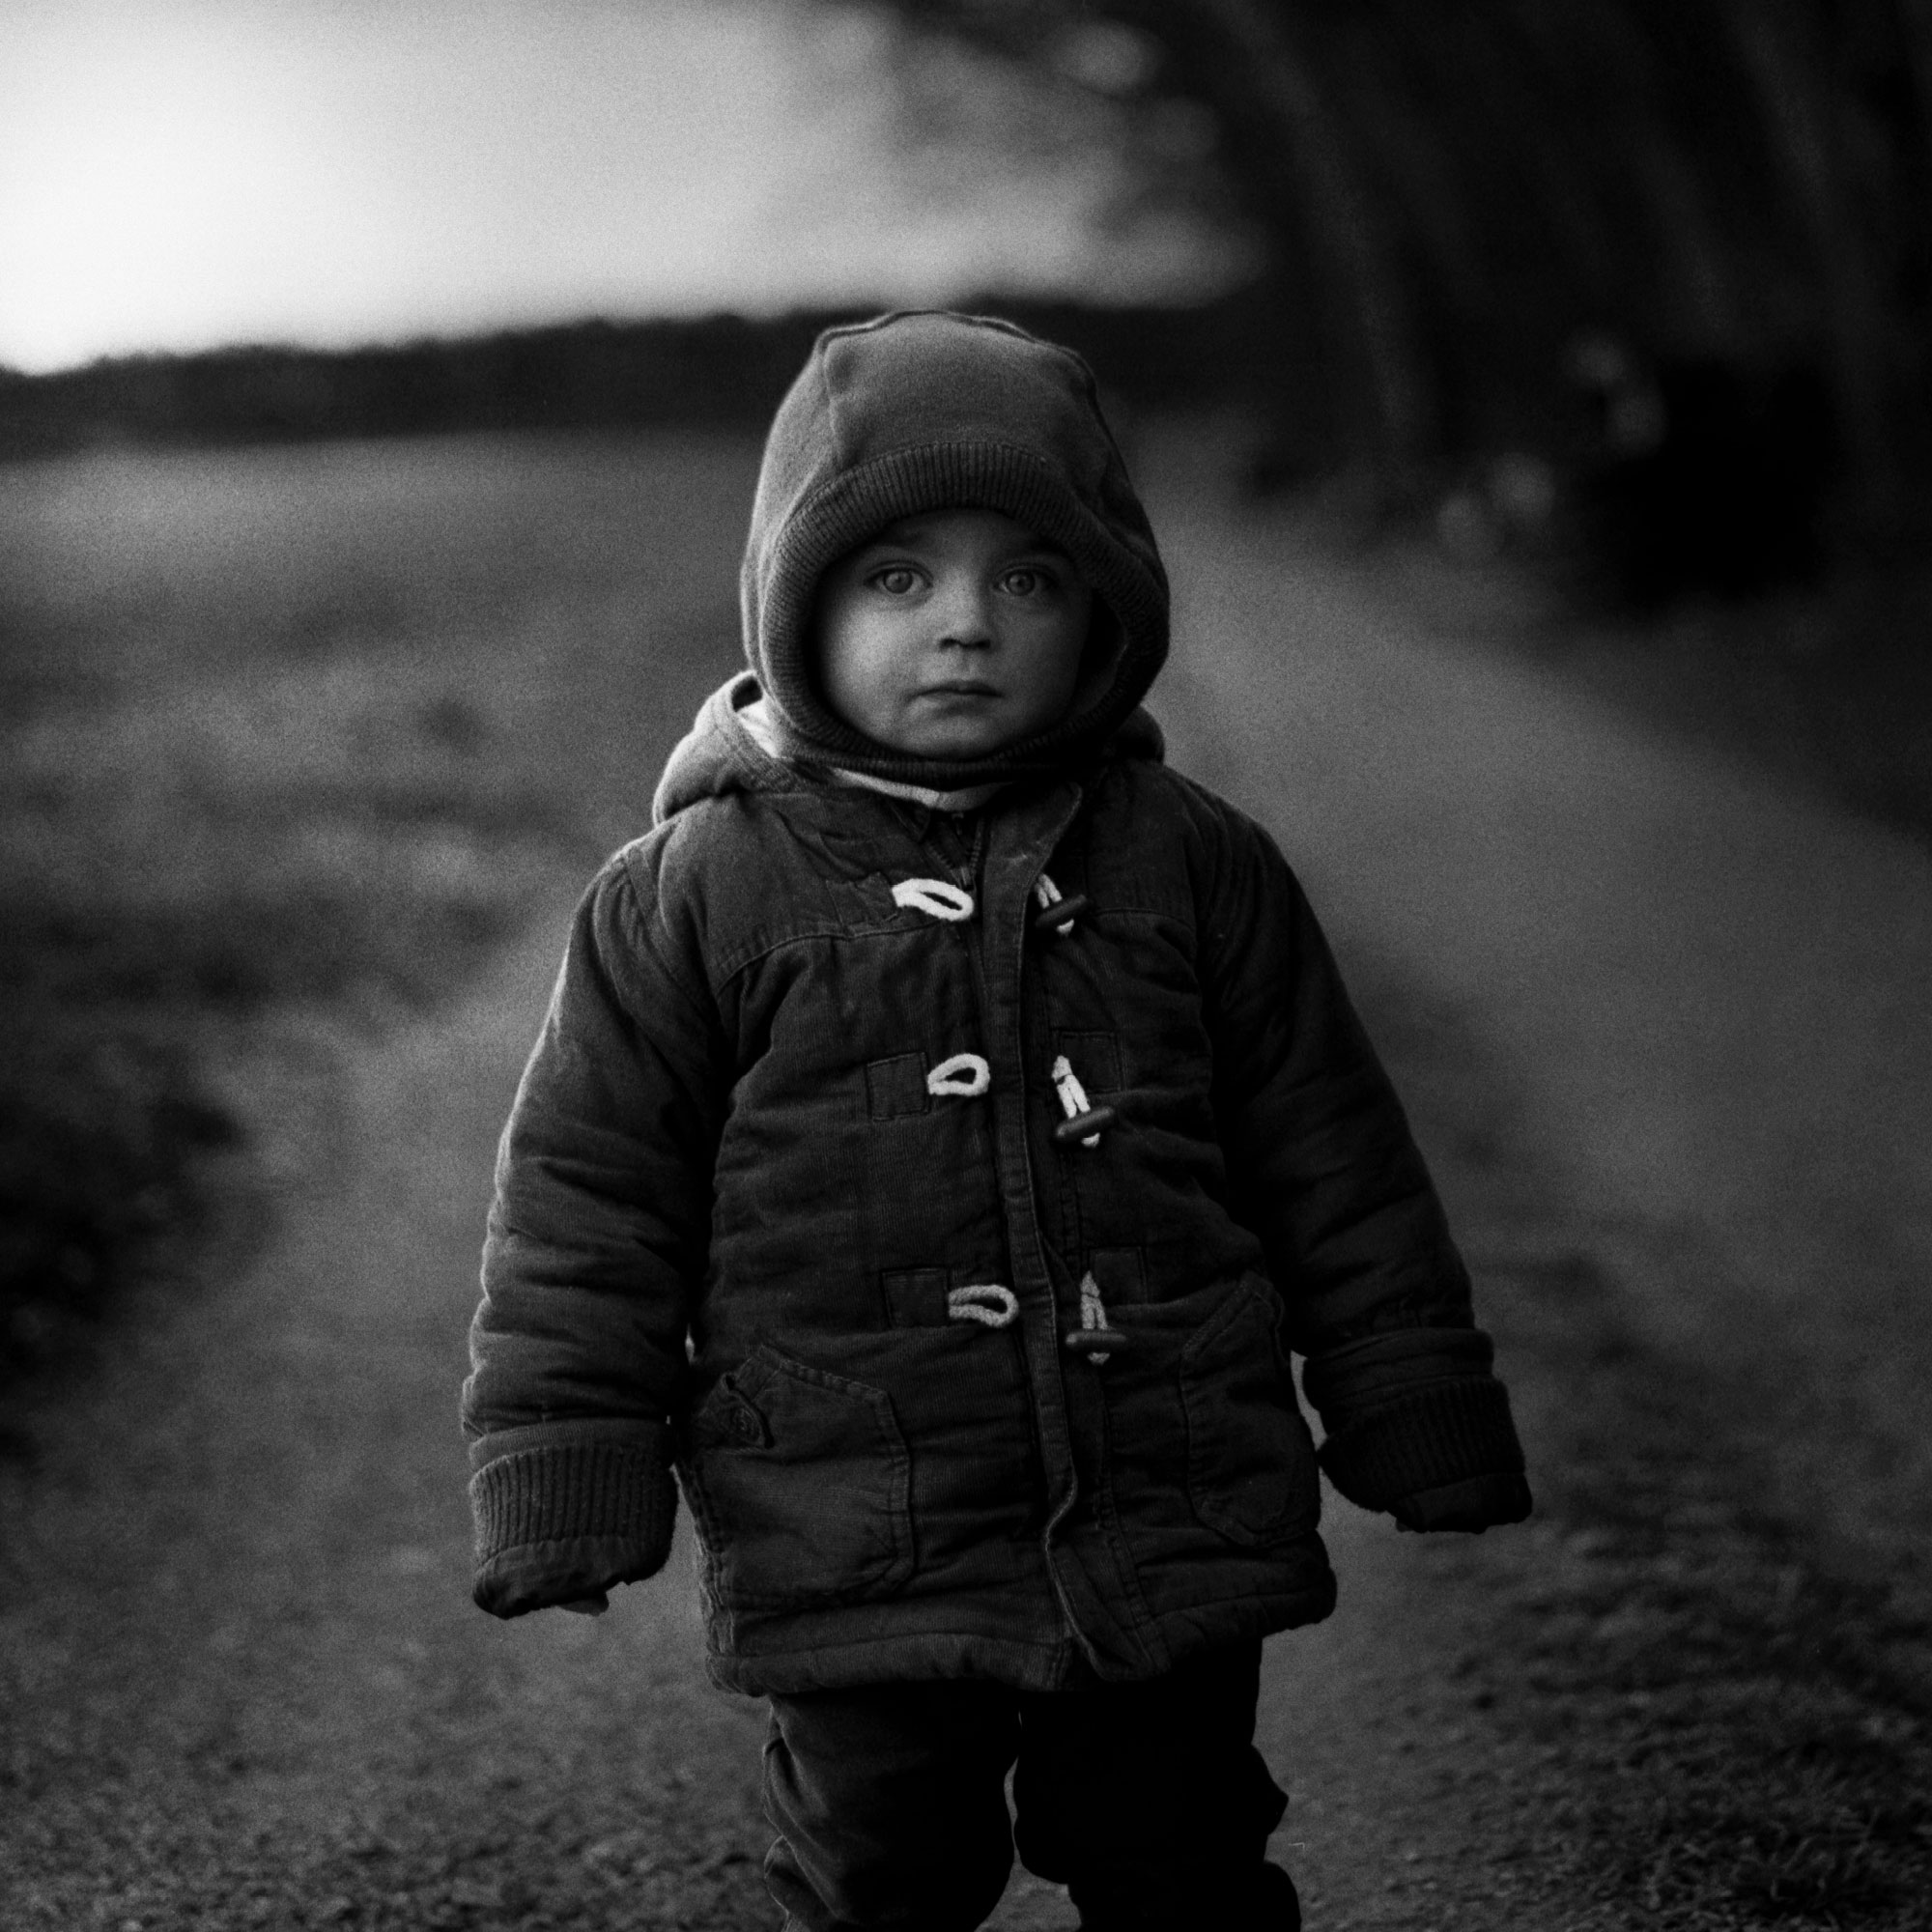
x=592, y=1606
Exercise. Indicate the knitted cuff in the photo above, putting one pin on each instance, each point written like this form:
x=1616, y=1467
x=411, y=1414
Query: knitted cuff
x=1476, y=1503
x=563, y=1519
x=1435, y=1435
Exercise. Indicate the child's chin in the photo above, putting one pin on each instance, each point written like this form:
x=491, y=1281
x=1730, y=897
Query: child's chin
x=957, y=741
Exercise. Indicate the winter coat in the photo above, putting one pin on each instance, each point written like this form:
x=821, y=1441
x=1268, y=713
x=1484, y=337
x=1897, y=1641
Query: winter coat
x=802, y=1096
x=944, y=1196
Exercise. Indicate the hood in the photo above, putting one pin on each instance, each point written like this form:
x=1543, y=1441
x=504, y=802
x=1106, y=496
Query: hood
x=930, y=411
x=718, y=755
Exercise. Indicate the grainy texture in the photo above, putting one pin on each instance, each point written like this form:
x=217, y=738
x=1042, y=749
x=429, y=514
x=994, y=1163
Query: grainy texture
x=241, y=1681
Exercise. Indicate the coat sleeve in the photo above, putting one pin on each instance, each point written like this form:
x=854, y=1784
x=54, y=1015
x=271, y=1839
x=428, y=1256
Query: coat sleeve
x=1325, y=1170
x=597, y=1238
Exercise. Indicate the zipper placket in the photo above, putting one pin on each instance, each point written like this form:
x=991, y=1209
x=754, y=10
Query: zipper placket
x=1057, y=1511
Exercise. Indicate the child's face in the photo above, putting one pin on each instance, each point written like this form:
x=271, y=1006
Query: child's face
x=952, y=634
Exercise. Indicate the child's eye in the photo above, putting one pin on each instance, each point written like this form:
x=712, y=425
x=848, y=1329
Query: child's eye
x=1025, y=581
x=897, y=579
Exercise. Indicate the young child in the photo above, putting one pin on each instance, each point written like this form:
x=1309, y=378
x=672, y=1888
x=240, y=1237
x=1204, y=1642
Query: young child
x=946, y=1124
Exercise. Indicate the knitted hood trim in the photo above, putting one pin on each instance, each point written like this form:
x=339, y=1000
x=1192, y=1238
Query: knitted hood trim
x=928, y=411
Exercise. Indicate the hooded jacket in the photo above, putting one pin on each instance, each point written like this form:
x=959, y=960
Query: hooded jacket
x=945, y=1194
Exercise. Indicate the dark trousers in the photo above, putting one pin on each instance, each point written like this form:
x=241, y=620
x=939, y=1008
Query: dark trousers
x=1148, y=1800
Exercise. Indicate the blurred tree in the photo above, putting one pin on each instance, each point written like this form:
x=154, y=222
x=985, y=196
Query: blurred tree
x=1457, y=200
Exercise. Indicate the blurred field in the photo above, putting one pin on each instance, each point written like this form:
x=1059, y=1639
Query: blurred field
x=289, y=727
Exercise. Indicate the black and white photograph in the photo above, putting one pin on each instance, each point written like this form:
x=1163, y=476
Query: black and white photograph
x=965, y=963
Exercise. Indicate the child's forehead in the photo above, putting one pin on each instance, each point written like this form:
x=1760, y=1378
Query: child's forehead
x=932, y=527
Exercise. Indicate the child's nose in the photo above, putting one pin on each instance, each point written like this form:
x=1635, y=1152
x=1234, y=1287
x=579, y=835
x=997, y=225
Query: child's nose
x=965, y=615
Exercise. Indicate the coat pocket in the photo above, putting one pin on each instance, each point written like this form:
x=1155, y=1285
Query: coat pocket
x=1251, y=1472
x=800, y=1483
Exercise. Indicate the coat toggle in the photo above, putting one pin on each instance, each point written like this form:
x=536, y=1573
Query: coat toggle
x=938, y=899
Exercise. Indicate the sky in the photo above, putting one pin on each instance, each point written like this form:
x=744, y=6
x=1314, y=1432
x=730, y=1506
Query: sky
x=179, y=174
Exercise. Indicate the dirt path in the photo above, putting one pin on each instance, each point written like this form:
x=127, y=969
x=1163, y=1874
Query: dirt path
x=244, y=1683
x=1687, y=1013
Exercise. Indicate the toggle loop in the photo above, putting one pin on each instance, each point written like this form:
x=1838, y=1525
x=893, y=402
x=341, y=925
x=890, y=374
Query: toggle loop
x=963, y=1077
x=1056, y=913
x=940, y=898
x=1066, y=1083
x=986, y=1301
x=1083, y=1120
x=1097, y=1337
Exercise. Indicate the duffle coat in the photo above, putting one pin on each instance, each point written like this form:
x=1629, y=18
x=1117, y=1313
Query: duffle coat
x=945, y=1198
